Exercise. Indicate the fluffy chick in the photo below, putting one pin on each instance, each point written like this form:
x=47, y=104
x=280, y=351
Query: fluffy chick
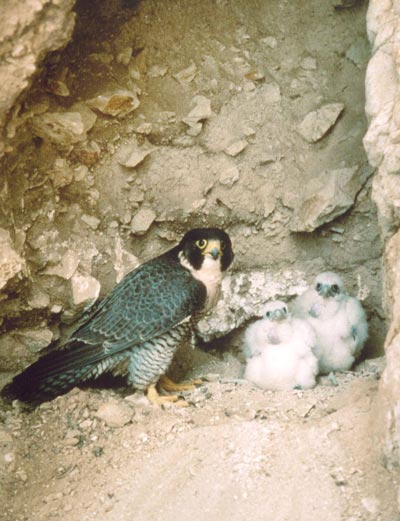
x=339, y=322
x=278, y=349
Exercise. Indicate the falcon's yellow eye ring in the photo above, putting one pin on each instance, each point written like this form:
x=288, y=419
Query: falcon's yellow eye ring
x=201, y=244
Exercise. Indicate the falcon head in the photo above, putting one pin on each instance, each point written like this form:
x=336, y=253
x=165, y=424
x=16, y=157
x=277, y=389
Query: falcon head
x=207, y=248
x=329, y=284
x=276, y=310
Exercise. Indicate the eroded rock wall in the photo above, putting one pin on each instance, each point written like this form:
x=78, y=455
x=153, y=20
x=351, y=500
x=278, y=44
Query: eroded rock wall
x=29, y=29
x=383, y=150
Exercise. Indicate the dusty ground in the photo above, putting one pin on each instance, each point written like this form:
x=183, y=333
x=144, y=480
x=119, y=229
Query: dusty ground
x=237, y=452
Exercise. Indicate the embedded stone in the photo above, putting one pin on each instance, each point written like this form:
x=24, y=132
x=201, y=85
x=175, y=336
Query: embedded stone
x=117, y=103
x=61, y=128
x=327, y=196
x=115, y=414
x=85, y=288
x=187, y=75
x=142, y=221
x=11, y=264
x=201, y=111
x=132, y=155
x=235, y=148
x=318, y=122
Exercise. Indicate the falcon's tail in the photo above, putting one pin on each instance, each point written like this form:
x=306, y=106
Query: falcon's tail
x=59, y=371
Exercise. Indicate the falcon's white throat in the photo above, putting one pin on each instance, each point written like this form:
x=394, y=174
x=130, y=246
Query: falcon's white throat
x=210, y=274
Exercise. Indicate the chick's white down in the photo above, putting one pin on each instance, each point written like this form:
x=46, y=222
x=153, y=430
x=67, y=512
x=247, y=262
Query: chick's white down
x=278, y=349
x=339, y=322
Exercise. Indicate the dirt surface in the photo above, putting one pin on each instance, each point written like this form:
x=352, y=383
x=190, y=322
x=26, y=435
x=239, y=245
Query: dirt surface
x=236, y=452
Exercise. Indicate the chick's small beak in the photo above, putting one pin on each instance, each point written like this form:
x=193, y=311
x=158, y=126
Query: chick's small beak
x=279, y=314
x=213, y=249
x=324, y=290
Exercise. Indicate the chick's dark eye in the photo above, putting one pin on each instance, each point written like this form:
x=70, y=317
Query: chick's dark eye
x=318, y=286
x=284, y=310
x=201, y=243
x=268, y=314
x=335, y=288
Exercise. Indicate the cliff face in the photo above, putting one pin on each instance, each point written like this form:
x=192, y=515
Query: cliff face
x=383, y=150
x=29, y=30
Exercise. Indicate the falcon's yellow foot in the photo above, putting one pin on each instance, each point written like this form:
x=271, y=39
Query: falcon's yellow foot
x=168, y=385
x=157, y=399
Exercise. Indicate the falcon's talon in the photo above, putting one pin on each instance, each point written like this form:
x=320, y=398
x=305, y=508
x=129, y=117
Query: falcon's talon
x=170, y=386
x=157, y=399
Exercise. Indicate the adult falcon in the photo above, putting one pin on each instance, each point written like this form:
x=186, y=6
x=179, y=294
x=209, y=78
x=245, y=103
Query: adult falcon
x=141, y=322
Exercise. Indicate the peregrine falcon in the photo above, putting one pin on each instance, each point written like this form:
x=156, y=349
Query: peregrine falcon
x=279, y=350
x=338, y=320
x=142, y=322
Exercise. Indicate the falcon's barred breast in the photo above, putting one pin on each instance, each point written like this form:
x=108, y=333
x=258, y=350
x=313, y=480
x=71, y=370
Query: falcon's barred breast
x=142, y=320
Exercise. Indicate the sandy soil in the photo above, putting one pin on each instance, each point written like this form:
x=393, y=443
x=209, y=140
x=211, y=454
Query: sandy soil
x=236, y=452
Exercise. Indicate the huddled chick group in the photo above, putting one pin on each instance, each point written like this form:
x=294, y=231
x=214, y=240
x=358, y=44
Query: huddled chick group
x=324, y=332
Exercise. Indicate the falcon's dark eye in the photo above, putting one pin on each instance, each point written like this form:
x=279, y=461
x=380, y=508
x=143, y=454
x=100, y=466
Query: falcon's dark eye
x=335, y=288
x=223, y=245
x=318, y=286
x=201, y=244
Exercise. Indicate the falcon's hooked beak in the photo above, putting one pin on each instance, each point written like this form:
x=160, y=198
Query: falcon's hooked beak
x=213, y=249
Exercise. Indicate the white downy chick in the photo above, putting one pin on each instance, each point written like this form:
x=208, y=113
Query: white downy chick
x=278, y=349
x=339, y=322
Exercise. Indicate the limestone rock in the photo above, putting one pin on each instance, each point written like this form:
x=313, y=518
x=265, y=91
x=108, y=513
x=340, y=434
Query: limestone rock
x=131, y=155
x=235, y=148
x=117, y=103
x=201, y=111
x=327, y=196
x=114, y=413
x=61, y=175
x=29, y=29
x=229, y=176
x=62, y=128
x=66, y=268
x=92, y=221
x=11, y=264
x=157, y=71
x=145, y=128
x=243, y=297
x=38, y=299
x=34, y=339
x=88, y=152
x=383, y=150
x=309, y=63
x=381, y=141
x=124, y=261
x=124, y=56
x=187, y=75
x=85, y=288
x=142, y=221
x=358, y=53
x=317, y=123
